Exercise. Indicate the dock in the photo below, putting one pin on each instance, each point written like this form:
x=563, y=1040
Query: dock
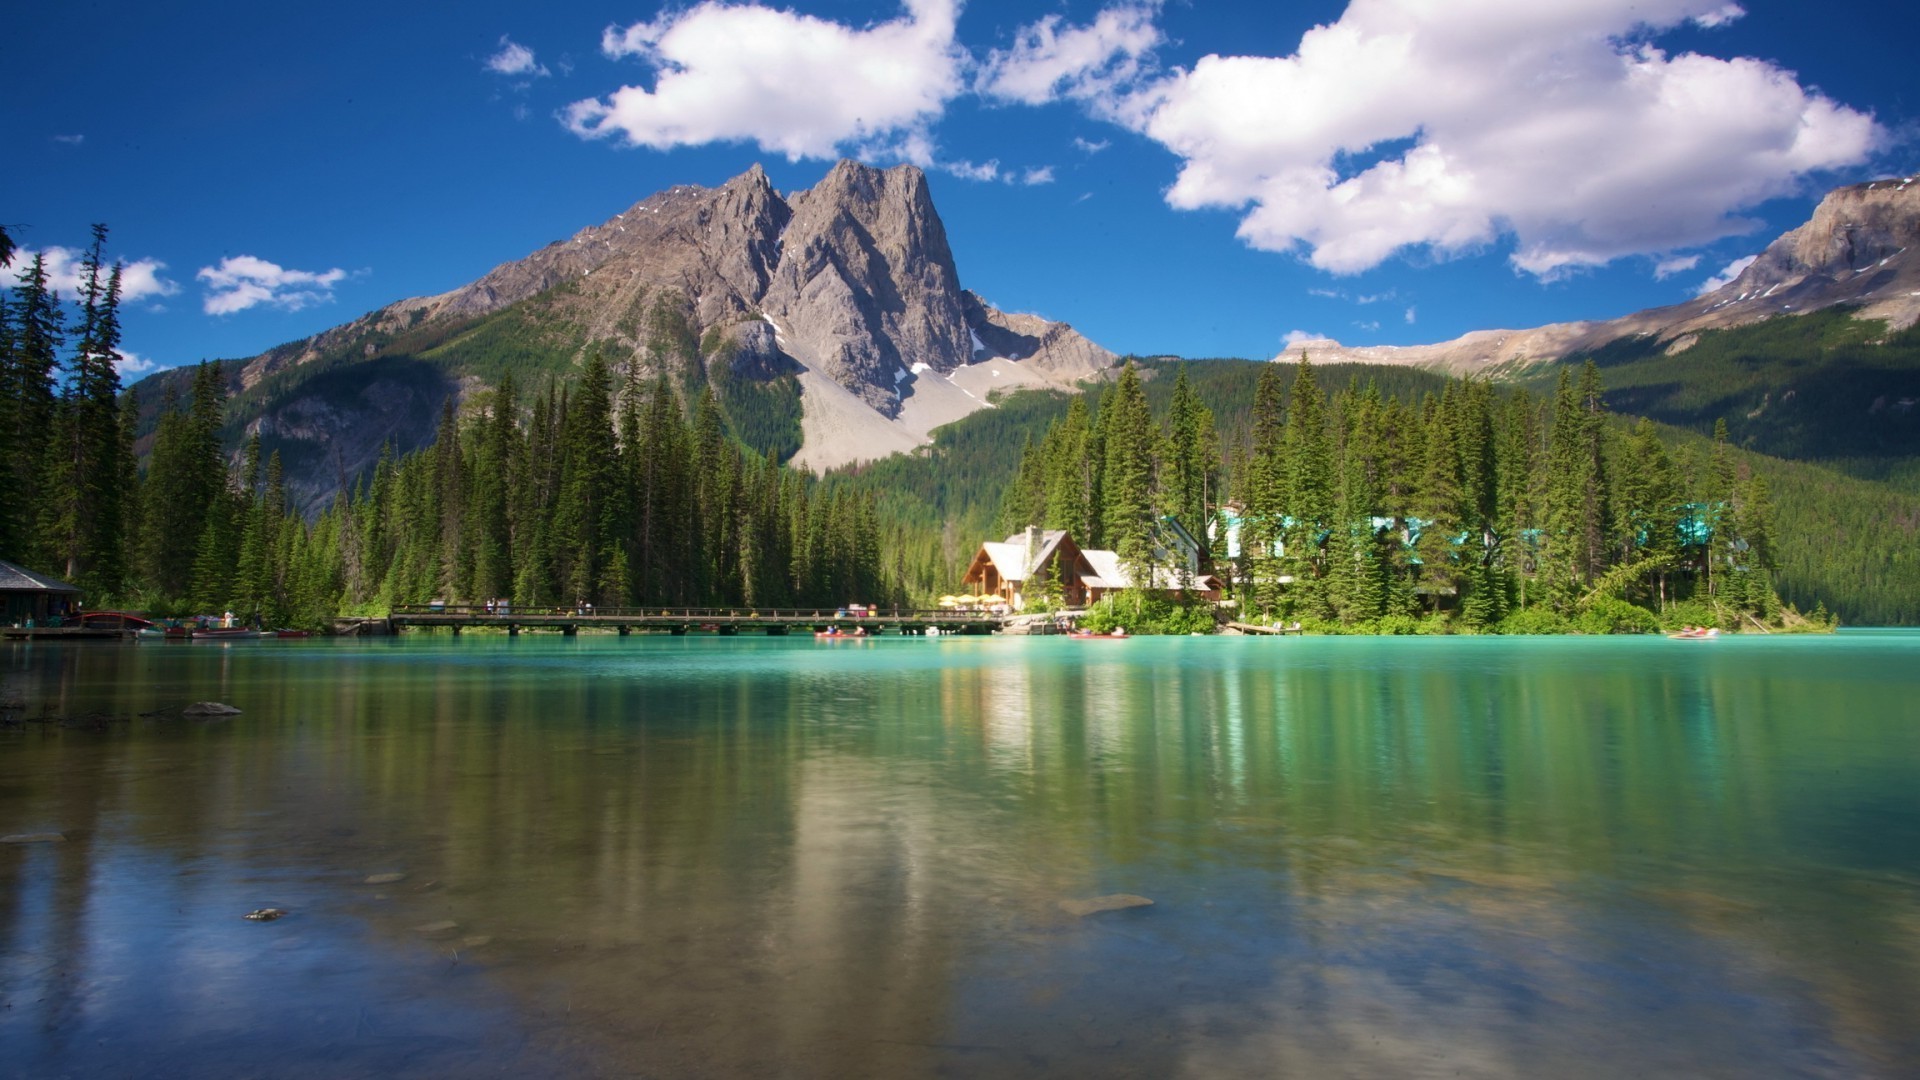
x=726, y=621
x=66, y=633
x=1263, y=628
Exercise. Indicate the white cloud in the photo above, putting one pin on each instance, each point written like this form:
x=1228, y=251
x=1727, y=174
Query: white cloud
x=515, y=59
x=1725, y=277
x=1048, y=62
x=1720, y=16
x=1678, y=264
x=985, y=171
x=133, y=364
x=140, y=280
x=790, y=83
x=1042, y=174
x=1409, y=124
x=1410, y=316
x=242, y=281
x=70, y=140
x=1088, y=146
x=1298, y=339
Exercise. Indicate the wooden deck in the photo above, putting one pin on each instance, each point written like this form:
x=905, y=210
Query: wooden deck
x=715, y=620
x=65, y=633
x=1263, y=628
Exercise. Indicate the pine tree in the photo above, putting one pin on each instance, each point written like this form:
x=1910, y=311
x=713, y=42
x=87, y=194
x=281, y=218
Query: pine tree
x=1578, y=512
x=83, y=516
x=1127, y=512
x=1191, y=467
x=494, y=469
x=38, y=332
x=1309, y=492
x=587, y=511
x=1072, y=477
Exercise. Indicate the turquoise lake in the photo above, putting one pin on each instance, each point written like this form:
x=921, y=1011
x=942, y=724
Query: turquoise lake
x=730, y=857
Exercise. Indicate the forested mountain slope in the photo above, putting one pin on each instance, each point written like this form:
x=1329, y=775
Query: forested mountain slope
x=1840, y=540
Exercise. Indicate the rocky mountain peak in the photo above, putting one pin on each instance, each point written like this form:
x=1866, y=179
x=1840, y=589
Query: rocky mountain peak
x=866, y=287
x=1858, y=236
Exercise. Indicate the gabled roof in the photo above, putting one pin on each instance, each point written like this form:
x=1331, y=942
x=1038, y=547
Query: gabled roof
x=1107, y=571
x=1110, y=573
x=20, y=579
x=1010, y=558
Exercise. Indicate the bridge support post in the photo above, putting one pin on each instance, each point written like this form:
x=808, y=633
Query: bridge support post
x=625, y=630
x=456, y=629
x=513, y=629
x=569, y=630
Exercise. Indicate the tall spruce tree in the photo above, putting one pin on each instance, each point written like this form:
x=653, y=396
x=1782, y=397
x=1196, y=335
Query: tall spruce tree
x=39, y=332
x=1127, y=514
x=83, y=514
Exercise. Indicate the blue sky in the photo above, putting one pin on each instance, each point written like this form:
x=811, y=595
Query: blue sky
x=1195, y=178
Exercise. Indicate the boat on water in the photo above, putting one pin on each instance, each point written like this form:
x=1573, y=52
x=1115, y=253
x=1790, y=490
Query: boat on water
x=837, y=634
x=1695, y=633
x=227, y=633
x=1088, y=635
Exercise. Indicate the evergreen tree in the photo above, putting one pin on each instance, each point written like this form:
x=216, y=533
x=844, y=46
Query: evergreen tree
x=495, y=468
x=1309, y=492
x=587, y=513
x=1072, y=477
x=1574, y=546
x=83, y=517
x=1192, y=463
x=27, y=381
x=1127, y=513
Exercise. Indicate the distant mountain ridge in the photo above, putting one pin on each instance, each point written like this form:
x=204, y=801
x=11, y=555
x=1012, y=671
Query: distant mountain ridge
x=1860, y=247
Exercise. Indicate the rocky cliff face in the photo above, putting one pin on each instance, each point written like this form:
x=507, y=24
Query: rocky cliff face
x=1862, y=246
x=865, y=287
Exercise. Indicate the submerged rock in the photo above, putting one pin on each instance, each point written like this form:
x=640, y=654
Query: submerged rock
x=1097, y=904
x=265, y=914
x=34, y=838
x=209, y=708
x=437, y=929
x=385, y=879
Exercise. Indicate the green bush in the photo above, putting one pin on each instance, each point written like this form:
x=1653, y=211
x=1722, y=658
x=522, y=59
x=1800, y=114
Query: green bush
x=1611, y=615
x=1692, y=613
x=1533, y=620
x=1149, y=615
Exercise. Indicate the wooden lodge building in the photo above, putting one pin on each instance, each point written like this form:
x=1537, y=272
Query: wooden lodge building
x=25, y=595
x=1024, y=567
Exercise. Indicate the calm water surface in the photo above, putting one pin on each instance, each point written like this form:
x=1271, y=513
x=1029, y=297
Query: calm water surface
x=729, y=857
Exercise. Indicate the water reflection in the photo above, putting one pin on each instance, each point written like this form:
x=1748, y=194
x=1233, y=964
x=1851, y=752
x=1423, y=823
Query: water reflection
x=727, y=857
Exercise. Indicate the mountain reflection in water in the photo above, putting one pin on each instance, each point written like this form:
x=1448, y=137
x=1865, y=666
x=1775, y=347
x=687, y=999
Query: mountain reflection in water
x=728, y=857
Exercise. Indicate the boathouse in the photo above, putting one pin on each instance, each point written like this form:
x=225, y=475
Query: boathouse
x=1027, y=563
x=26, y=595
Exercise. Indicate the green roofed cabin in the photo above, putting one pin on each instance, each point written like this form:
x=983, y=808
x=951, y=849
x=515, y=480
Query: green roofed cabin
x=26, y=595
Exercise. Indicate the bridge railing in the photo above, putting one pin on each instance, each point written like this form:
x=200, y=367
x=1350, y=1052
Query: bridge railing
x=686, y=614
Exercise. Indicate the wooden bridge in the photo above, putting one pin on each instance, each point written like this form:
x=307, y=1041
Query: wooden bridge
x=715, y=620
